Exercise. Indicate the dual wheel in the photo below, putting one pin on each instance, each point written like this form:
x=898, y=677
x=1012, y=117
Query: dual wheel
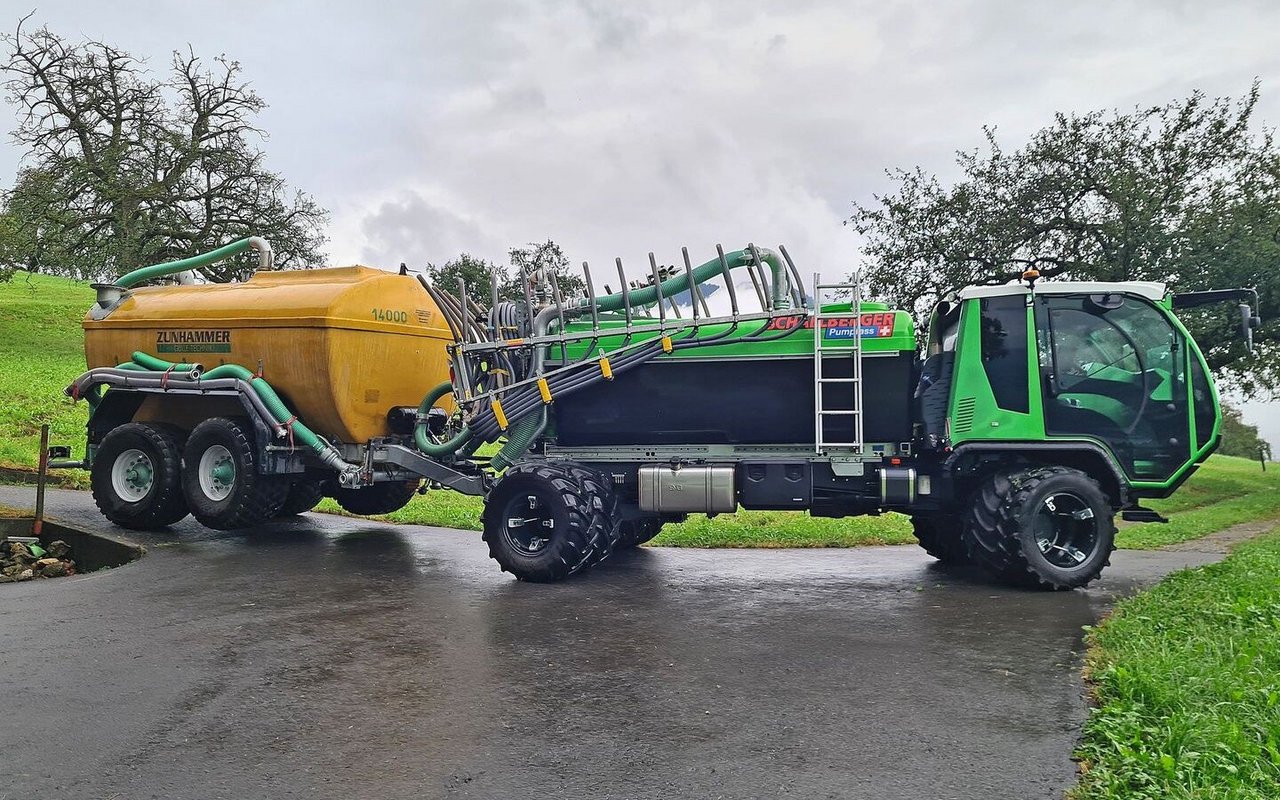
x=1041, y=527
x=545, y=521
x=148, y=475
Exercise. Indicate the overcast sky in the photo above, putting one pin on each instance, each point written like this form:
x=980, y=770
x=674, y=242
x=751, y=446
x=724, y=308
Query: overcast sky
x=432, y=128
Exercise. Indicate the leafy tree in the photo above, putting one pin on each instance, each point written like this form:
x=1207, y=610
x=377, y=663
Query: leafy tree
x=1187, y=193
x=475, y=271
x=1239, y=438
x=545, y=256
x=532, y=258
x=123, y=169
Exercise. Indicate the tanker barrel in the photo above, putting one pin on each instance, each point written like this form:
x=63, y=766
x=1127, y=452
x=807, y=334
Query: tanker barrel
x=657, y=287
x=728, y=281
x=626, y=293
x=797, y=285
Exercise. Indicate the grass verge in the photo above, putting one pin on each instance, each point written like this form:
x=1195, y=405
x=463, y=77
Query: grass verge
x=1187, y=681
x=1225, y=491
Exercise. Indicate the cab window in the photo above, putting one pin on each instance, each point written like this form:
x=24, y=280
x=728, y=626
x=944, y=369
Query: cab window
x=1004, y=350
x=1114, y=368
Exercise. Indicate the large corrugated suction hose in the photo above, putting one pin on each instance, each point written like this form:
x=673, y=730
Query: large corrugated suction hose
x=437, y=449
x=131, y=279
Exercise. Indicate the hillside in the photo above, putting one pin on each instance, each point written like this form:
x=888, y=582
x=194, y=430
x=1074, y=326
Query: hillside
x=41, y=351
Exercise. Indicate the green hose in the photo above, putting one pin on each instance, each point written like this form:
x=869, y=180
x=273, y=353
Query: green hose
x=701, y=274
x=263, y=389
x=144, y=274
x=519, y=437
x=437, y=449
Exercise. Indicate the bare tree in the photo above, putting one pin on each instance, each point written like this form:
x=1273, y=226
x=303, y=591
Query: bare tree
x=123, y=169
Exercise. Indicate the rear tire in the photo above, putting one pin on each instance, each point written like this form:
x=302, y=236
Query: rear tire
x=941, y=536
x=380, y=498
x=221, y=481
x=137, y=476
x=545, y=521
x=1044, y=527
x=302, y=497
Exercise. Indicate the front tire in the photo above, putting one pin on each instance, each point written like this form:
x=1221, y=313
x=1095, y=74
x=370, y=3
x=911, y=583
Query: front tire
x=221, y=481
x=1044, y=527
x=137, y=476
x=545, y=521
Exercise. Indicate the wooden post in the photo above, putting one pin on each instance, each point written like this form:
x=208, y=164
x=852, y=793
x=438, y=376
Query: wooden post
x=38, y=525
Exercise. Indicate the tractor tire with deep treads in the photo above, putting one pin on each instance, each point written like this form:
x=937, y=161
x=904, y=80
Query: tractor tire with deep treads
x=380, y=498
x=1042, y=527
x=940, y=536
x=544, y=521
x=302, y=497
x=220, y=477
x=136, y=476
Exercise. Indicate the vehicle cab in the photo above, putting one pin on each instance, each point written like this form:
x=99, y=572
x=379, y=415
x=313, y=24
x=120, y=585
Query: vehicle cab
x=1105, y=367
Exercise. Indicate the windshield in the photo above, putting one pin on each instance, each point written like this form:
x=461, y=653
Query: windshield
x=1115, y=370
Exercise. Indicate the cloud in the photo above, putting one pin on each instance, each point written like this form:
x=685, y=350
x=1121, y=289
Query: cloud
x=620, y=129
x=413, y=230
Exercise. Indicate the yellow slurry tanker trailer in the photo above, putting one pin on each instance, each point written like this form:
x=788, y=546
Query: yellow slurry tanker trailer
x=1036, y=413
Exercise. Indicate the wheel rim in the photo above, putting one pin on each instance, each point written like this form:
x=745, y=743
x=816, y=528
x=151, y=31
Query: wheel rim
x=217, y=472
x=1065, y=530
x=528, y=524
x=132, y=475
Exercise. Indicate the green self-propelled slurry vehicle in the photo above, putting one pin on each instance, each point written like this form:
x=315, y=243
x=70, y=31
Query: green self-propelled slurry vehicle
x=1037, y=412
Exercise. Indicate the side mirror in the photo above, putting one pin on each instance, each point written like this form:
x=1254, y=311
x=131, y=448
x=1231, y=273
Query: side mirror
x=1248, y=321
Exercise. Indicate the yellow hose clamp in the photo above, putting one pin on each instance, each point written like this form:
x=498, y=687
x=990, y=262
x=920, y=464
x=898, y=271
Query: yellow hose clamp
x=666, y=344
x=496, y=405
x=605, y=369
x=544, y=390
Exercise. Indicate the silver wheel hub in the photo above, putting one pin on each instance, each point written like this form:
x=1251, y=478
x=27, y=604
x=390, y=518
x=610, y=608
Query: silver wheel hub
x=132, y=475
x=1064, y=523
x=217, y=473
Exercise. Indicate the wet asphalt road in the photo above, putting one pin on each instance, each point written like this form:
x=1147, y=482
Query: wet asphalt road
x=329, y=657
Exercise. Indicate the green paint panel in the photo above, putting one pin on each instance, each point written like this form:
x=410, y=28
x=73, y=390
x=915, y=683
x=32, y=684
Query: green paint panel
x=975, y=414
x=883, y=331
